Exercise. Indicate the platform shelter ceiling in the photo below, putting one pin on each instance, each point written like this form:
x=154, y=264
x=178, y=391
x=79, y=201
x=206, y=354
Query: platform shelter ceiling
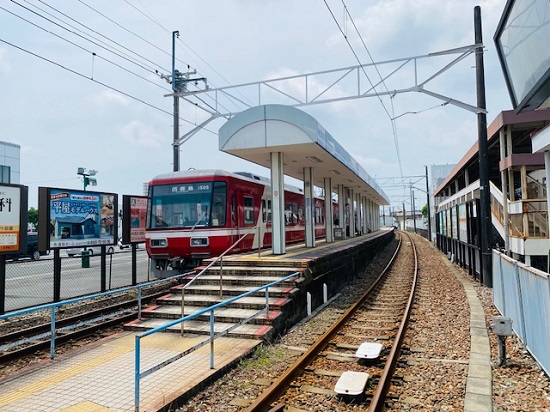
x=254, y=133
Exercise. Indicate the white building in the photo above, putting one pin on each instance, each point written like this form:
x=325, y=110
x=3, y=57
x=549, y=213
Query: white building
x=10, y=163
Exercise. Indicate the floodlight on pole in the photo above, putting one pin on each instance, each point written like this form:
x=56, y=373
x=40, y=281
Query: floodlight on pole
x=87, y=180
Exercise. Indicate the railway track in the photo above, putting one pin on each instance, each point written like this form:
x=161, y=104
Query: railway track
x=33, y=334
x=379, y=316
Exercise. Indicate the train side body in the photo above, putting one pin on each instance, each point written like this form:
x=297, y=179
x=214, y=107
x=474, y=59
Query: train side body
x=195, y=215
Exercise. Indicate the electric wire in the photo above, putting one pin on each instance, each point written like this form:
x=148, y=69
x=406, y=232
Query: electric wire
x=151, y=68
x=124, y=28
x=150, y=17
x=88, y=51
x=392, y=116
x=75, y=44
x=94, y=80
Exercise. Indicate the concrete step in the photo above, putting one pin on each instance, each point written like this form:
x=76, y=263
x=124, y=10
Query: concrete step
x=249, y=302
x=248, y=331
x=225, y=314
x=238, y=268
x=253, y=261
x=232, y=290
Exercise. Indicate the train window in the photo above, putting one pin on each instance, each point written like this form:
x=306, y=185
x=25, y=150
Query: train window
x=269, y=211
x=319, y=215
x=180, y=205
x=248, y=209
x=264, y=211
x=219, y=197
x=288, y=214
x=233, y=208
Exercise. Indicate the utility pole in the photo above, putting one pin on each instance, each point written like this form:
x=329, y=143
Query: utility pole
x=179, y=82
x=484, y=188
x=429, y=209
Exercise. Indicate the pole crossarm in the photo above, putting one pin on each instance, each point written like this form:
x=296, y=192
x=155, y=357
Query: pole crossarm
x=329, y=86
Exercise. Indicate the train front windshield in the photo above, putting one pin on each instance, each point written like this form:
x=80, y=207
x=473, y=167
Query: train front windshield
x=200, y=204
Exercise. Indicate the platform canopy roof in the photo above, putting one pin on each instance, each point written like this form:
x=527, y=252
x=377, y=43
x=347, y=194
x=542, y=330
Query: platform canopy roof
x=254, y=133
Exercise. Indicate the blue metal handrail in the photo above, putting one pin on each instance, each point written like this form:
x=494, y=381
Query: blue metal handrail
x=55, y=305
x=220, y=259
x=138, y=374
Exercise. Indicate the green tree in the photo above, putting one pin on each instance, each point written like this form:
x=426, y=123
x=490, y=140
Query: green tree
x=425, y=210
x=33, y=217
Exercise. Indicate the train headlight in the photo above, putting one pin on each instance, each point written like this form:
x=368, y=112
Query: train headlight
x=159, y=242
x=199, y=241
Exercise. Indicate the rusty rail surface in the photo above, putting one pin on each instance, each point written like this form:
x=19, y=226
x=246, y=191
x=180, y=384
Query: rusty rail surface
x=274, y=392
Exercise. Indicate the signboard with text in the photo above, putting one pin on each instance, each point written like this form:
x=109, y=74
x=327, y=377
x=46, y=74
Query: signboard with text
x=13, y=217
x=77, y=218
x=134, y=213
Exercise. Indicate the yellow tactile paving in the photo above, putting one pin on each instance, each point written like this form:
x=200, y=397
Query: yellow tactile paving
x=86, y=406
x=101, y=378
x=55, y=378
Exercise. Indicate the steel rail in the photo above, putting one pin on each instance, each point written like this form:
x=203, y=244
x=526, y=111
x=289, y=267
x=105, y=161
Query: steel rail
x=278, y=387
x=32, y=335
x=377, y=402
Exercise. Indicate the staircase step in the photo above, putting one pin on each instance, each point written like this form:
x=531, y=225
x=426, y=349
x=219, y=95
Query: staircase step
x=232, y=290
x=239, y=280
x=249, y=302
x=299, y=264
x=203, y=328
x=225, y=314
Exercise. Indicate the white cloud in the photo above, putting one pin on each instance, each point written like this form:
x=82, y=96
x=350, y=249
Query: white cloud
x=109, y=98
x=368, y=163
x=4, y=65
x=138, y=134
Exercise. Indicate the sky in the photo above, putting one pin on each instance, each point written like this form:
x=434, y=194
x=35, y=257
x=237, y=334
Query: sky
x=80, y=82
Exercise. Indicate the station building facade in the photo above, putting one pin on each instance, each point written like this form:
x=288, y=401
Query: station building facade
x=519, y=207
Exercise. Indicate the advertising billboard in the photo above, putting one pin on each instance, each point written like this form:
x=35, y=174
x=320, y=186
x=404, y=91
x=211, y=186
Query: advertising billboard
x=462, y=223
x=134, y=213
x=454, y=222
x=77, y=218
x=13, y=217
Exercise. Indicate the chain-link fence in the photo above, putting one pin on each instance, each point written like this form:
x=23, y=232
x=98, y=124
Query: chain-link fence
x=32, y=282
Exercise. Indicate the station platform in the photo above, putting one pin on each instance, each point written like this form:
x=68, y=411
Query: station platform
x=99, y=377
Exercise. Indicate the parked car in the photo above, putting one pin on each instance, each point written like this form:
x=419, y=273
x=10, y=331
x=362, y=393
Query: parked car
x=32, y=249
x=122, y=245
x=94, y=250
x=125, y=245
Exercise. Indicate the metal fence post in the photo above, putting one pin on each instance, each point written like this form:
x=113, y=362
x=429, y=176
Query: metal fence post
x=139, y=302
x=212, y=339
x=221, y=277
x=52, y=332
x=137, y=369
x=182, y=307
x=267, y=302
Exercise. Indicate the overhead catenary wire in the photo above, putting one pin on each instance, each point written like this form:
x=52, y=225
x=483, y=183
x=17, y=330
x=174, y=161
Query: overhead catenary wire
x=94, y=80
x=149, y=16
x=153, y=67
x=392, y=116
x=94, y=54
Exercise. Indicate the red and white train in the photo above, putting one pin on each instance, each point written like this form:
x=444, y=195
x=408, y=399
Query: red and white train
x=194, y=215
